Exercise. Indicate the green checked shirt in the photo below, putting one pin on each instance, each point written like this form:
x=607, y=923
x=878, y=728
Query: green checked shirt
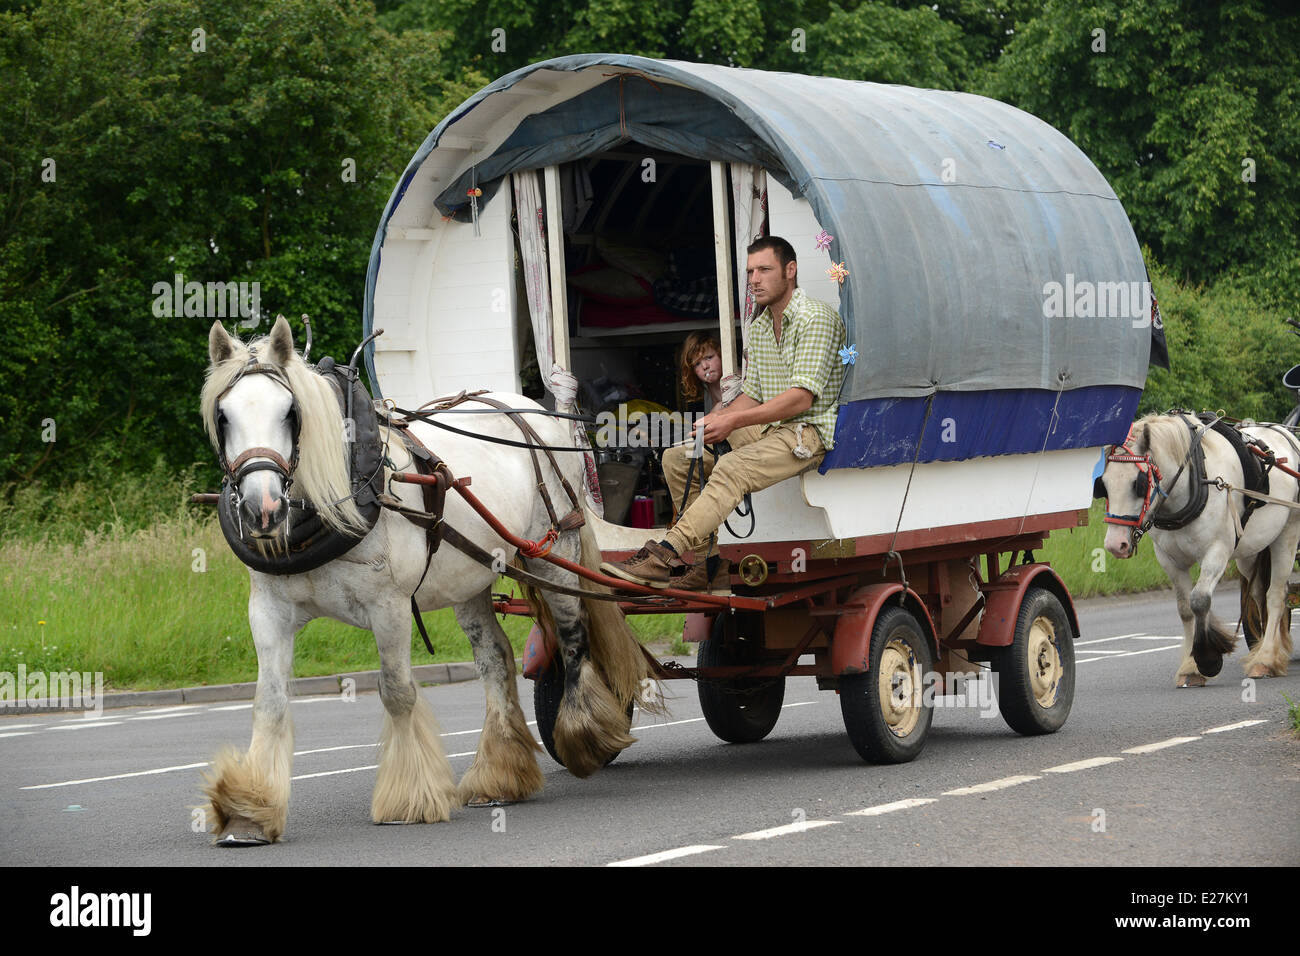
x=812, y=334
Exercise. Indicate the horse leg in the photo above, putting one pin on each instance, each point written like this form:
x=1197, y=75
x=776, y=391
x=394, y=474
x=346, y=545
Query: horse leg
x=1187, y=674
x=414, y=783
x=249, y=793
x=1270, y=656
x=1210, y=640
x=591, y=726
x=505, y=768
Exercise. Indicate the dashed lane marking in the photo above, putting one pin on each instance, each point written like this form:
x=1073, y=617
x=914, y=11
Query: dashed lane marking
x=891, y=807
x=1083, y=764
x=1237, y=726
x=116, y=776
x=86, y=723
x=992, y=785
x=1159, y=745
x=1149, y=650
x=666, y=855
x=786, y=830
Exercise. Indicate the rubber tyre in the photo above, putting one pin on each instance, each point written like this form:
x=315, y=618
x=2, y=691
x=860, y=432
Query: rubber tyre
x=741, y=710
x=867, y=708
x=1025, y=707
x=548, y=690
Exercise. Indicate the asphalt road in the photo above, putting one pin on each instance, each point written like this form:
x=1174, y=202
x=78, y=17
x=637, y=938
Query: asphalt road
x=1222, y=787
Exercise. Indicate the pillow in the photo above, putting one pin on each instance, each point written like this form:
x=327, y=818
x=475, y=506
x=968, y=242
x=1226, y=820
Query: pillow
x=613, y=286
x=635, y=260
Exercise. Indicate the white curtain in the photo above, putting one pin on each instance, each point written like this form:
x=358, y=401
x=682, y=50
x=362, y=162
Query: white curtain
x=749, y=188
x=532, y=250
x=560, y=382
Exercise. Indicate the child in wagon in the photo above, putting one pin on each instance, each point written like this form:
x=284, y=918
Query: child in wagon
x=781, y=425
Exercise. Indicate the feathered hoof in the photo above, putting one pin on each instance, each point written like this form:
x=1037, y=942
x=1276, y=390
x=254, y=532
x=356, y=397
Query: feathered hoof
x=1208, y=663
x=241, y=831
x=246, y=806
x=1190, y=680
x=1259, y=671
x=591, y=728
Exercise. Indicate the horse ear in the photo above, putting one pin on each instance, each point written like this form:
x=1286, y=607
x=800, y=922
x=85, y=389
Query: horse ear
x=281, y=341
x=220, y=345
x=1138, y=438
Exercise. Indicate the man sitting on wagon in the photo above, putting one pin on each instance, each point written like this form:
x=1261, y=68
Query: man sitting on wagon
x=782, y=423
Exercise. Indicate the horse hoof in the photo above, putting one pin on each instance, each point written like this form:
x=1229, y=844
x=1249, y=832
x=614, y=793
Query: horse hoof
x=1191, y=680
x=1209, y=666
x=483, y=802
x=241, y=831
x=1259, y=671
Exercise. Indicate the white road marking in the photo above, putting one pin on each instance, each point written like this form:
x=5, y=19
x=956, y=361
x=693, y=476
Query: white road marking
x=1236, y=726
x=330, y=773
x=235, y=707
x=1102, y=650
x=21, y=733
x=325, y=750
x=18, y=726
x=1103, y=640
x=1083, y=764
x=1149, y=650
x=891, y=807
x=173, y=710
x=1161, y=637
x=116, y=776
x=316, y=700
x=992, y=785
x=665, y=855
x=182, y=713
x=1159, y=745
x=670, y=723
x=86, y=723
x=786, y=830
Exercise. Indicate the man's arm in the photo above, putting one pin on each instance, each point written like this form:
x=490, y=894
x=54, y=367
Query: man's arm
x=721, y=422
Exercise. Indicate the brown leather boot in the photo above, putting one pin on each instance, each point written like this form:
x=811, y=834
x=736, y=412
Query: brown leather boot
x=650, y=566
x=692, y=578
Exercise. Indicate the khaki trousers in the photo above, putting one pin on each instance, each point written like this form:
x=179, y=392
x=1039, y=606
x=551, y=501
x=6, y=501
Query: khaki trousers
x=757, y=460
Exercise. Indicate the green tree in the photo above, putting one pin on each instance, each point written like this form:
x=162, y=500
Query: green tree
x=214, y=139
x=1179, y=104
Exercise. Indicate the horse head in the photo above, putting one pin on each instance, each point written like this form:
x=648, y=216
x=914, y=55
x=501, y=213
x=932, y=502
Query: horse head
x=277, y=429
x=1131, y=485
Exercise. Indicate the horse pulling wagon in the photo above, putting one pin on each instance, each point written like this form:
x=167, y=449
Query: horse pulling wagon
x=560, y=232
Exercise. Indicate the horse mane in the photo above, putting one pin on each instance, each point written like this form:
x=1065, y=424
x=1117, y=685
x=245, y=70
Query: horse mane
x=322, y=474
x=1165, y=437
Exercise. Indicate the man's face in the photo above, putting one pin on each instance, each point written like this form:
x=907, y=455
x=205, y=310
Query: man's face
x=767, y=280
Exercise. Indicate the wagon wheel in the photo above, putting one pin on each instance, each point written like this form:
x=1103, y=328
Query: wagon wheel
x=885, y=710
x=548, y=690
x=1035, y=673
x=740, y=710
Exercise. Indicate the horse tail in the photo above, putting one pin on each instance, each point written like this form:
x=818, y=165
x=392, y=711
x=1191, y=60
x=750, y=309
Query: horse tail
x=614, y=648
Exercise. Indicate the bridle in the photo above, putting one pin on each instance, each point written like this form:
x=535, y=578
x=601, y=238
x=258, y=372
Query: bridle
x=259, y=457
x=1144, y=486
x=1143, y=520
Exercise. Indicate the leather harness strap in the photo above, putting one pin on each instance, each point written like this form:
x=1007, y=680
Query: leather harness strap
x=574, y=518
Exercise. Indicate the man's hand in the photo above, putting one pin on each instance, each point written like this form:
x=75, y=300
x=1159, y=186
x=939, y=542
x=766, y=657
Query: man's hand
x=716, y=425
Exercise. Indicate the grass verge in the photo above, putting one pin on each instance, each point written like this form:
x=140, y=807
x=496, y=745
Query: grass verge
x=166, y=606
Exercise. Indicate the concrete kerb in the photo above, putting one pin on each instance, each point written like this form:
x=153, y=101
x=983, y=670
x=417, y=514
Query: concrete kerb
x=425, y=675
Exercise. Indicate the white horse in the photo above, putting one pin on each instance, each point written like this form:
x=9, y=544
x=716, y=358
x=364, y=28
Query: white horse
x=371, y=587
x=1142, y=483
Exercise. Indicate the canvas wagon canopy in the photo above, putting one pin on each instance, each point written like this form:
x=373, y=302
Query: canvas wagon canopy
x=995, y=292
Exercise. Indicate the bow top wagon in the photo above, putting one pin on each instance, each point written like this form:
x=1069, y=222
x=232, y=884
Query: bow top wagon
x=561, y=232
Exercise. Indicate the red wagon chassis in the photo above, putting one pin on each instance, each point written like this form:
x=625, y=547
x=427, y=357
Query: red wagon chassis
x=832, y=591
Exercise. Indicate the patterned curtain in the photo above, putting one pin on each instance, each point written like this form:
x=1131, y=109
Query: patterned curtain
x=749, y=187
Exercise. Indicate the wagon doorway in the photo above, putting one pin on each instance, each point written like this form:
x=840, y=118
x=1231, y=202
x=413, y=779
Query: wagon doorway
x=647, y=256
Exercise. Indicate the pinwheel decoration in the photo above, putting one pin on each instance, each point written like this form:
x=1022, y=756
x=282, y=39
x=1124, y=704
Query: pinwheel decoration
x=837, y=272
x=823, y=240
x=849, y=355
